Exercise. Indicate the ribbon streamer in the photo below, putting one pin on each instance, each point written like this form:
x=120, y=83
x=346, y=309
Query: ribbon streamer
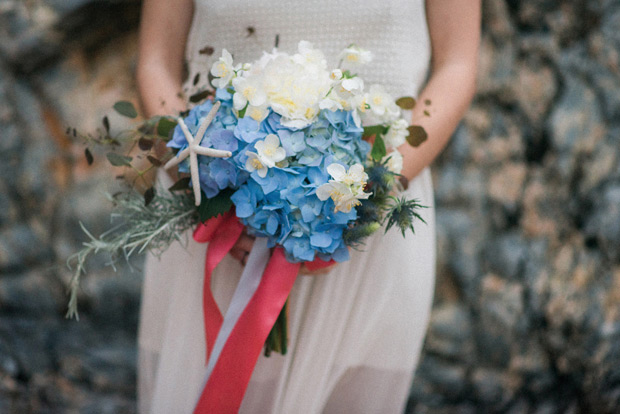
x=234, y=343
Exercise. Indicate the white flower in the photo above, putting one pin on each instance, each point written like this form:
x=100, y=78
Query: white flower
x=394, y=161
x=223, y=70
x=335, y=75
x=248, y=89
x=346, y=188
x=355, y=176
x=309, y=55
x=353, y=86
x=269, y=150
x=331, y=103
x=341, y=194
x=397, y=134
x=258, y=113
x=294, y=85
x=355, y=55
x=382, y=104
x=253, y=163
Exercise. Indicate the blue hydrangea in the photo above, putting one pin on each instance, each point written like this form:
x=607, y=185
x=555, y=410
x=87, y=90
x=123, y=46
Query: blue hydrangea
x=283, y=205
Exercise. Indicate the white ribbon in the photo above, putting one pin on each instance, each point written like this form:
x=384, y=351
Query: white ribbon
x=250, y=279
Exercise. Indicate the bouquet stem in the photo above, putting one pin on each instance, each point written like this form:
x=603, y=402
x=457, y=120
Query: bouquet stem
x=277, y=340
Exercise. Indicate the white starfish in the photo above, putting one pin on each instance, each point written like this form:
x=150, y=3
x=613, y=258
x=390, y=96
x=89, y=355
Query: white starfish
x=194, y=149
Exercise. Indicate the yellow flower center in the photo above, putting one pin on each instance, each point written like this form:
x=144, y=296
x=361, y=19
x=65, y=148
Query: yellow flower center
x=257, y=164
x=248, y=92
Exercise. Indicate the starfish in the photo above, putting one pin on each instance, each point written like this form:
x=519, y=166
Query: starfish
x=194, y=149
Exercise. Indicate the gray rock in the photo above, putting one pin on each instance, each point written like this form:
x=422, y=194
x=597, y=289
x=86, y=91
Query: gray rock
x=450, y=333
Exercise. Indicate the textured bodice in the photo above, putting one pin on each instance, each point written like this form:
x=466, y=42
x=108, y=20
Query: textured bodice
x=395, y=31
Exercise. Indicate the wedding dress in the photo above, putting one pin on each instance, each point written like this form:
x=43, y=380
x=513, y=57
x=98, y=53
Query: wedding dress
x=355, y=333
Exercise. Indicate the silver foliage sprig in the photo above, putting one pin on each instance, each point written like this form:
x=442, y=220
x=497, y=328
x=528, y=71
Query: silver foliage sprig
x=142, y=227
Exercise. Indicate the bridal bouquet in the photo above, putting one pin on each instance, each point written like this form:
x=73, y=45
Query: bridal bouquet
x=300, y=156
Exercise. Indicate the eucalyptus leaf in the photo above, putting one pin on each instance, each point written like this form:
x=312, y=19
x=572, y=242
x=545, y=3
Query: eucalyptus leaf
x=118, y=160
x=200, y=96
x=417, y=135
x=164, y=126
x=126, y=108
x=89, y=156
x=406, y=102
x=145, y=144
x=181, y=184
x=155, y=161
x=378, y=150
x=149, y=195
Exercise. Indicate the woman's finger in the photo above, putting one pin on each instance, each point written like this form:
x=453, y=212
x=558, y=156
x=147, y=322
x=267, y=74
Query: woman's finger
x=245, y=242
x=237, y=253
x=322, y=271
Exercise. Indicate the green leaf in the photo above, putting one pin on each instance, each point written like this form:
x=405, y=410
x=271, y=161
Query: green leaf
x=181, y=184
x=213, y=207
x=149, y=195
x=242, y=112
x=89, y=156
x=200, y=96
x=417, y=135
x=374, y=130
x=126, y=108
x=165, y=126
x=406, y=102
x=378, y=149
x=118, y=160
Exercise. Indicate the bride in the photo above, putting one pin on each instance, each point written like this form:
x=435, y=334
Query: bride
x=357, y=329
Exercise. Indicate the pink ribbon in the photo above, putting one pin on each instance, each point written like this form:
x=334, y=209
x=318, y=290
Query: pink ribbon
x=225, y=388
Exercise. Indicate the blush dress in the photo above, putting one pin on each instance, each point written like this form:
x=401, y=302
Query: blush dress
x=356, y=332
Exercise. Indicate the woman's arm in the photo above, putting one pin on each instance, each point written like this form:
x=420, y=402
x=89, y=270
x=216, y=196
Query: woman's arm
x=454, y=27
x=164, y=28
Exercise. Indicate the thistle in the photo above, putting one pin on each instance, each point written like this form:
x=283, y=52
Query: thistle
x=402, y=214
x=353, y=236
x=380, y=178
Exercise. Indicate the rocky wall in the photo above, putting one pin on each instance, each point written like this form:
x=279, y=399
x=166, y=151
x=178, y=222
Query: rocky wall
x=526, y=315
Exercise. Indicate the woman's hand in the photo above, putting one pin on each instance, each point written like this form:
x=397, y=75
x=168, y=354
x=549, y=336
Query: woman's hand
x=243, y=246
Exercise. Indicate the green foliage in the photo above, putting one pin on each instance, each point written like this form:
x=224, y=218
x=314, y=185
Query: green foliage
x=378, y=150
x=165, y=126
x=126, y=108
x=417, y=135
x=144, y=226
x=181, y=184
x=118, y=160
x=242, y=112
x=213, y=207
x=402, y=214
x=89, y=156
x=406, y=102
x=369, y=131
x=200, y=96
